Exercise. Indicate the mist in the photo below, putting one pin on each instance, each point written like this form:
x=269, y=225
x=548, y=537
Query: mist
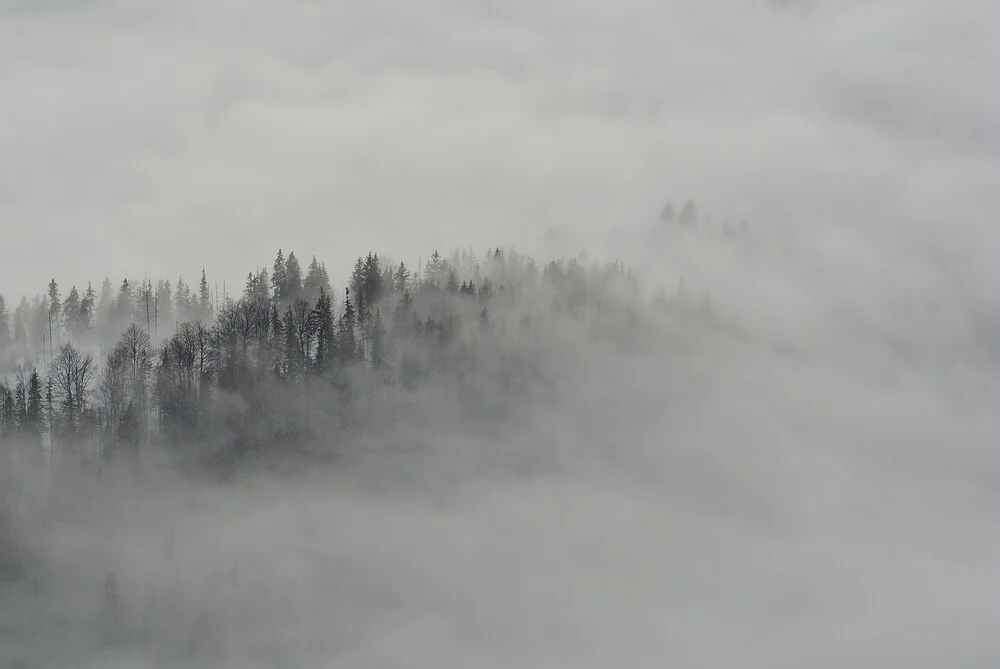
x=760, y=445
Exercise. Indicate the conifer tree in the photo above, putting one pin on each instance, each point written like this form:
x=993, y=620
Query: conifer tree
x=316, y=281
x=71, y=313
x=667, y=214
x=85, y=322
x=8, y=414
x=182, y=301
x=293, y=278
x=204, y=299
x=279, y=279
x=345, y=333
x=689, y=215
x=55, y=308
x=452, y=285
x=5, y=335
x=401, y=279
x=358, y=285
x=164, y=308
x=34, y=425
x=293, y=359
x=373, y=288
x=40, y=321
x=377, y=336
x=326, y=345
x=123, y=307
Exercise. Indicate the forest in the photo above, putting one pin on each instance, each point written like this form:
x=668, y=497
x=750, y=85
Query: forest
x=286, y=376
x=217, y=379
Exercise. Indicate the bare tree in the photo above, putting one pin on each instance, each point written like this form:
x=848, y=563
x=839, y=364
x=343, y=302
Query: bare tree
x=114, y=393
x=71, y=374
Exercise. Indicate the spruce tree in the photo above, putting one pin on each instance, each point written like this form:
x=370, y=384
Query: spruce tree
x=293, y=278
x=293, y=357
x=452, y=285
x=55, y=308
x=164, y=307
x=279, y=279
x=182, y=302
x=325, y=335
x=667, y=214
x=34, y=425
x=85, y=321
x=316, y=281
x=689, y=215
x=4, y=326
x=204, y=299
x=123, y=308
x=377, y=335
x=263, y=285
x=71, y=313
x=401, y=278
x=8, y=412
x=345, y=334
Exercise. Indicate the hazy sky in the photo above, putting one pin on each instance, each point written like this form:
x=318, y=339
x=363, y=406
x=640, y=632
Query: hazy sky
x=161, y=137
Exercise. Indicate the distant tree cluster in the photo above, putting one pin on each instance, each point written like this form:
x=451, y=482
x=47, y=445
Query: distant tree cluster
x=279, y=366
x=689, y=218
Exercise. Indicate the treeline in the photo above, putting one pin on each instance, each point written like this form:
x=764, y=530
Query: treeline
x=284, y=364
x=689, y=217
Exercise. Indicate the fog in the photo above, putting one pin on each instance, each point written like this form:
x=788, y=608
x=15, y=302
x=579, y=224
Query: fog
x=813, y=482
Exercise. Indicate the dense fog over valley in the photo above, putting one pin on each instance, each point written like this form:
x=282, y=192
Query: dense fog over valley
x=467, y=334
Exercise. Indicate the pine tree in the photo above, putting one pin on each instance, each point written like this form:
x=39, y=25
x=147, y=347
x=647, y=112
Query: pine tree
x=51, y=415
x=250, y=287
x=34, y=425
x=105, y=308
x=435, y=270
x=279, y=279
x=20, y=397
x=293, y=358
x=85, y=321
x=55, y=308
x=293, y=278
x=452, y=285
x=123, y=307
x=21, y=321
x=689, y=215
x=263, y=285
x=402, y=324
x=358, y=285
x=71, y=313
x=401, y=279
x=345, y=334
x=326, y=345
x=142, y=304
x=40, y=320
x=315, y=282
x=164, y=307
x=8, y=413
x=4, y=326
x=182, y=302
x=486, y=290
x=387, y=280
x=377, y=335
x=667, y=214
x=373, y=288
x=204, y=299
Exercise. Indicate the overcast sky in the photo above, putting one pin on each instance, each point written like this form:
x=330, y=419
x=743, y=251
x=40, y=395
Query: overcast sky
x=160, y=137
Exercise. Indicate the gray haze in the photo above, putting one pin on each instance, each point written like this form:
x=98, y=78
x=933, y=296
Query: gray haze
x=817, y=487
x=158, y=136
